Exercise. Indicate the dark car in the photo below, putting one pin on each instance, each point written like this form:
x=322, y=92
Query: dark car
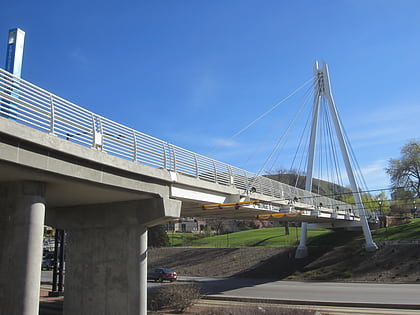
x=160, y=274
x=47, y=264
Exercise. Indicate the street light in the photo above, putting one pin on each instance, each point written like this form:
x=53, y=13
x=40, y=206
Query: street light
x=380, y=206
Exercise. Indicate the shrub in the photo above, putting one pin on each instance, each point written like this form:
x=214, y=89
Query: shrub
x=157, y=236
x=176, y=296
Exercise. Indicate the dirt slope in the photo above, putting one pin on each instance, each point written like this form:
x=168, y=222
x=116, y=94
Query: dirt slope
x=391, y=263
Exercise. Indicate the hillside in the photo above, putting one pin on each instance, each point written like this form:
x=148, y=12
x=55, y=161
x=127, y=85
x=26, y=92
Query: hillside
x=267, y=237
x=395, y=261
x=391, y=263
x=319, y=186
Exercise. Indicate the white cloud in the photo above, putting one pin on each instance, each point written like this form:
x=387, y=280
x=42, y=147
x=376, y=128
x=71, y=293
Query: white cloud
x=78, y=56
x=375, y=175
x=203, y=89
x=392, y=126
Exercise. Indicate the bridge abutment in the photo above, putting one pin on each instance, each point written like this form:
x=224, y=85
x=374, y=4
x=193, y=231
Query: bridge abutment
x=106, y=254
x=22, y=214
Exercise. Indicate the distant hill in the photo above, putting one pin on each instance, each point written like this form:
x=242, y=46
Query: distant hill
x=319, y=186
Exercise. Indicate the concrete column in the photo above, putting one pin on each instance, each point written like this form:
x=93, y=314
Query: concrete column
x=143, y=271
x=106, y=254
x=22, y=211
x=302, y=250
x=106, y=271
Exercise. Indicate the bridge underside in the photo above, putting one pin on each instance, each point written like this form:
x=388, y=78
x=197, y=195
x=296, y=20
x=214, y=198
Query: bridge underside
x=195, y=209
x=66, y=192
x=231, y=204
x=63, y=192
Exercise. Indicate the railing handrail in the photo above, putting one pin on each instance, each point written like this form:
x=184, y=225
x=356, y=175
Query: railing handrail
x=50, y=113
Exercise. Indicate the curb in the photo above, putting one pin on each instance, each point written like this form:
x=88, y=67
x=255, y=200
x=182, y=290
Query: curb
x=316, y=303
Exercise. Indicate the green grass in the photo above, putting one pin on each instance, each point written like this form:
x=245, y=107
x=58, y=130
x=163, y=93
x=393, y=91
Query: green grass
x=272, y=237
x=268, y=237
x=181, y=239
x=407, y=231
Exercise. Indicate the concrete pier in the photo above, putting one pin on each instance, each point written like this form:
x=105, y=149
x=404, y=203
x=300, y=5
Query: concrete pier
x=106, y=254
x=22, y=211
x=302, y=249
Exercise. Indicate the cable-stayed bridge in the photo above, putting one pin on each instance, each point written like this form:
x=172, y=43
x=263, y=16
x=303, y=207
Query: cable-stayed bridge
x=29, y=105
x=105, y=183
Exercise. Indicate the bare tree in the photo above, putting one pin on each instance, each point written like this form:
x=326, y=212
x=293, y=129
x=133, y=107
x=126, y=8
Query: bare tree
x=216, y=225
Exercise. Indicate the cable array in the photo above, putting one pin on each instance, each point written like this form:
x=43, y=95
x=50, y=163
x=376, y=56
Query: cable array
x=328, y=165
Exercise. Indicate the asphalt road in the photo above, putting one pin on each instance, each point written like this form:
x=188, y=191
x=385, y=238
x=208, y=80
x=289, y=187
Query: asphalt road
x=331, y=293
x=299, y=292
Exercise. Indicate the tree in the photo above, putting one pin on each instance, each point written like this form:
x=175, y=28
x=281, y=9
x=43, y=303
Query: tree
x=381, y=203
x=217, y=225
x=405, y=172
x=157, y=237
x=402, y=203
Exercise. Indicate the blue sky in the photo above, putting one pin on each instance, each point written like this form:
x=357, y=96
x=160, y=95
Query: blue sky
x=194, y=73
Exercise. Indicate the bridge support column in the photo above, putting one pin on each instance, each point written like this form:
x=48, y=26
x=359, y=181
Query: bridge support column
x=22, y=214
x=302, y=250
x=106, y=254
x=106, y=270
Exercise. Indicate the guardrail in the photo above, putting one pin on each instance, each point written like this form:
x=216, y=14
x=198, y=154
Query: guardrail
x=28, y=104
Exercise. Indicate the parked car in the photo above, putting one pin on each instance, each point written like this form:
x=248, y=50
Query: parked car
x=160, y=274
x=47, y=264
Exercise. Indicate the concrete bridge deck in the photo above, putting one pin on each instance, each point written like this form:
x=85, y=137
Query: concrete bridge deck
x=77, y=175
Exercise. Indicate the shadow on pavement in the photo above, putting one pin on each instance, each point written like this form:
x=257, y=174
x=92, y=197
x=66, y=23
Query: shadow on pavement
x=218, y=286
x=51, y=307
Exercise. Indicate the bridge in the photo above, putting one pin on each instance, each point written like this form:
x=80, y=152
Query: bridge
x=105, y=184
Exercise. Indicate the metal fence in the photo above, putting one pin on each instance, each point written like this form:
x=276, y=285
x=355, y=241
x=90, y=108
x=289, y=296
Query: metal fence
x=28, y=104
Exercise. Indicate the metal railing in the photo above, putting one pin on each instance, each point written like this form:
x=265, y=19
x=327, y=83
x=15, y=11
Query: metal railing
x=28, y=104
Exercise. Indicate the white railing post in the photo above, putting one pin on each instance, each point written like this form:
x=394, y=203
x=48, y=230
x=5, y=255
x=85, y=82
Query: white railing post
x=52, y=115
x=272, y=189
x=230, y=176
x=173, y=158
x=135, y=147
x=164, y=157
x=214, y=170
x=97, y=136
x=196, y=165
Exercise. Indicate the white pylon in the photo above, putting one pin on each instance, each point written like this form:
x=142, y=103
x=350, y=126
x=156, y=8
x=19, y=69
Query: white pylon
x=323, y=88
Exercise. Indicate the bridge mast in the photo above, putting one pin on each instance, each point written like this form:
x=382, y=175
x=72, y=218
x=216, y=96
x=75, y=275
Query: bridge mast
x=323, y=88
x=302, y=250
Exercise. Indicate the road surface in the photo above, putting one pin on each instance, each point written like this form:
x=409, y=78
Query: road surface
x=397, y=296
x=331, y=293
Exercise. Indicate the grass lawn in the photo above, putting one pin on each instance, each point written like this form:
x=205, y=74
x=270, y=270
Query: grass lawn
x=267, y=237
x=181, y=239
x=407, y=231
x=272, y=237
